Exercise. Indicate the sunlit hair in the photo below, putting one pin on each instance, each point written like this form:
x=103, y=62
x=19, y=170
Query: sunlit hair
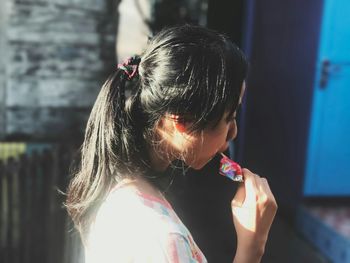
x=187, y=70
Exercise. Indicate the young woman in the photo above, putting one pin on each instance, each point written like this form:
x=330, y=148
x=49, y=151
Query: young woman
x=186, y=88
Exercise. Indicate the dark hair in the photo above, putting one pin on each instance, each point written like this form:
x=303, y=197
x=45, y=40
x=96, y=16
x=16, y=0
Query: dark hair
x=187, y=70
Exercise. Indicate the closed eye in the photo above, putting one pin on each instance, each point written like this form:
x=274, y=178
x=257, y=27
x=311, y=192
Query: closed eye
x=231, y=117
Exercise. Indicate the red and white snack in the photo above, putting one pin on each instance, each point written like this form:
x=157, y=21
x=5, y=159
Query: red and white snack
x=230, y=169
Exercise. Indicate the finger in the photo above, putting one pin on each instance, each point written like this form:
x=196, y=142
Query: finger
x=267, y=190
x=241, y=192
x=264, y=187
x=239, y=197
x=246, y=192
x=251, y=189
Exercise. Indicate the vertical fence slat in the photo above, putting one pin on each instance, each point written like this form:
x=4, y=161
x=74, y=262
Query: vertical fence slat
x=26, y=208
x=4, y=214
x=34, y=226
x=62, y=181
x=10, y=213
x=14, y=222
x=73, y=250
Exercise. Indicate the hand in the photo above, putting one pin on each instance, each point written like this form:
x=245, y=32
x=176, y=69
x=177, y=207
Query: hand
x=254, y=208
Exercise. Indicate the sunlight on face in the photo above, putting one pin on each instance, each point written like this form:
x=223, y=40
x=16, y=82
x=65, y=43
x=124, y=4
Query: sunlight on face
x=195, y=148
x=201, y=147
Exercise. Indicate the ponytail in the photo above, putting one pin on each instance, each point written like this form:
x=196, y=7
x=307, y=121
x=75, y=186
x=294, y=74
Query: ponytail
x=109, y=151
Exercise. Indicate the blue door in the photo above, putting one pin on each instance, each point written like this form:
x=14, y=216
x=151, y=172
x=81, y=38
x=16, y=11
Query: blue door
x=328, y=161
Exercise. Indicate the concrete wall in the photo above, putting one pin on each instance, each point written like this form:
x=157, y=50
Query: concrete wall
x=55, y=55
x=3, y=27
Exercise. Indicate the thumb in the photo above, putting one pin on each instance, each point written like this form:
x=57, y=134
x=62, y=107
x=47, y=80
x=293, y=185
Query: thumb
x=239, y=197
x=246, y=192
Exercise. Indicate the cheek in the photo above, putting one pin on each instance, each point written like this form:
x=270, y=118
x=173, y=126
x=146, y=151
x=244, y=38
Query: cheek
x=222, y=141
x=204, y=149
x=202, y=153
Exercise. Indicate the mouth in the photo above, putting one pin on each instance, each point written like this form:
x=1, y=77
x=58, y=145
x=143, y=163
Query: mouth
x=219, y=152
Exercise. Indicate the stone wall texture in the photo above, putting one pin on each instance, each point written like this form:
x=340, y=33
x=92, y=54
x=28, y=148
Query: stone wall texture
x=55, y=55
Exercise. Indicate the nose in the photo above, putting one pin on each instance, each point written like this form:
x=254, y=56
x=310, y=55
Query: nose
x=232, y=131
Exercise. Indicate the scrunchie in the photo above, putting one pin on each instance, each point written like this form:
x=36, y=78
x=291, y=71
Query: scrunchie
x=130, y=66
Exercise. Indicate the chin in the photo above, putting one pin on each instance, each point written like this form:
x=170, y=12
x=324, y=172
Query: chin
x=199, y=166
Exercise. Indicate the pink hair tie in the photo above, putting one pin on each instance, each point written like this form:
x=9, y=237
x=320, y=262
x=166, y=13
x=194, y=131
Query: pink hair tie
x=130, y=66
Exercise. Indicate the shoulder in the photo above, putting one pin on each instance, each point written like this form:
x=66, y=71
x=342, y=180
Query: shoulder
x=137, y=211
x=129, y=221
x=129, y=213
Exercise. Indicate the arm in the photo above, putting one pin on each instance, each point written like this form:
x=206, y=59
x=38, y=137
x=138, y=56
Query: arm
x=254, y=208
x=246, y=255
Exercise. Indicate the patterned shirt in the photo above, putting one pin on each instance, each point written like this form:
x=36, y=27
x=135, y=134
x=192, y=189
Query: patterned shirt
x=131, y=226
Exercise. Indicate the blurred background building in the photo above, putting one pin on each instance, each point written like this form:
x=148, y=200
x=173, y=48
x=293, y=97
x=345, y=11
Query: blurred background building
x=47, y=89
x=293, y=128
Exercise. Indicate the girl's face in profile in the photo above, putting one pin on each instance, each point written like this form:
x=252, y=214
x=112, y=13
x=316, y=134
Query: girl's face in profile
x=207, y=143
x=204, y=145
x=196, y=149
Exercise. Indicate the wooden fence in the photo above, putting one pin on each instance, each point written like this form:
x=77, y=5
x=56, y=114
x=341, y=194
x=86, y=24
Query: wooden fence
x=34, y=226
